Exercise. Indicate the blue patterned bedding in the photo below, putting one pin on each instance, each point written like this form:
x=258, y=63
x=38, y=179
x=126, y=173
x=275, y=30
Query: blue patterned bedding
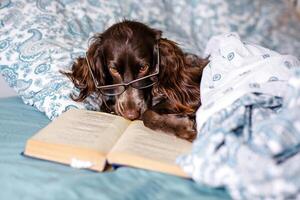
x=40, y=37
x=26, y=178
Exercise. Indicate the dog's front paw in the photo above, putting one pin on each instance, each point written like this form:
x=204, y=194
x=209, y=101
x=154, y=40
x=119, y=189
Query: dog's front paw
x=180, y=126
x=187, y=134
x=151, y=119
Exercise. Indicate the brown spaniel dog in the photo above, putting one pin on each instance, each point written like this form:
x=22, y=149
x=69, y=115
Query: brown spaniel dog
x=140, y=75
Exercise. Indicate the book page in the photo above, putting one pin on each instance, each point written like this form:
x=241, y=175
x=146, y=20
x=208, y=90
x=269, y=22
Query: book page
x=85, y=129
x=142, y=142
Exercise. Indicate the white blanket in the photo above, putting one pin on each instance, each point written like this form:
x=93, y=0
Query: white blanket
x=237, y=68
x=249, y=122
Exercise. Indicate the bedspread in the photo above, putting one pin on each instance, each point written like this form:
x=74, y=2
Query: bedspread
x=25, y=178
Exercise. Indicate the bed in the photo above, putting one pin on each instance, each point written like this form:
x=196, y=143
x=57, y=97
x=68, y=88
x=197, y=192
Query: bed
x=26, y=178
x=40, y=37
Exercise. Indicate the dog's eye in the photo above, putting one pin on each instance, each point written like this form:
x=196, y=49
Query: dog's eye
x=113, y=70
x=144, y=68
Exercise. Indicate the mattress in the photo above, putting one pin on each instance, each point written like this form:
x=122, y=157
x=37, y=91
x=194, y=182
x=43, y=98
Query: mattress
x=26, y=178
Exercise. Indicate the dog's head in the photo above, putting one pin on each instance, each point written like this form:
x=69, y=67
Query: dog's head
x=125, y=52
x=129, y=51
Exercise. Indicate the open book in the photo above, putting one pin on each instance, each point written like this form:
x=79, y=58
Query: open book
x=89, y=139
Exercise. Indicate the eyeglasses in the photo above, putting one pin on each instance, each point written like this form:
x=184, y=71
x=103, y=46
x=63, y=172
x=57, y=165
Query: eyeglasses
x=117, y=89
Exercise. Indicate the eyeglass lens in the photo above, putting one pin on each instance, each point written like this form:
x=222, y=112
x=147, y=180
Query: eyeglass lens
x=140, y=84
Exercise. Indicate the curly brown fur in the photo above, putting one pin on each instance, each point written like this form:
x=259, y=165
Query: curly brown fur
x=120, y=54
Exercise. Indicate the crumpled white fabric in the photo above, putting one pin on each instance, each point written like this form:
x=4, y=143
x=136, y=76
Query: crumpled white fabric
x=237, y=68
x=248, y=123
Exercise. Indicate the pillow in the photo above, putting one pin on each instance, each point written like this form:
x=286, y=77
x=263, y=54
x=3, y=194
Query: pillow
x=40, y=37
x=272, y=24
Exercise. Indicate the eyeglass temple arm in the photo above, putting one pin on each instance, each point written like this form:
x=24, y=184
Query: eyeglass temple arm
x=158, y=56
x=90, y=69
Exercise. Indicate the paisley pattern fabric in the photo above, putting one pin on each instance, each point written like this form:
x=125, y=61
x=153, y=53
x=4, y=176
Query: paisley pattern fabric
x=40, y=37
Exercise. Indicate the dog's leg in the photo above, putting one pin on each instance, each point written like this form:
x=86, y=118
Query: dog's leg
x=181, y=126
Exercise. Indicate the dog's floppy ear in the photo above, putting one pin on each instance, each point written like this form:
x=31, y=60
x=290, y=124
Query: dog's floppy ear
x=172, y=66
x=171, y=61
x=81, y=74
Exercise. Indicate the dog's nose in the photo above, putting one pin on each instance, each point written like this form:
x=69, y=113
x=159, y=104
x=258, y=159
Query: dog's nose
x=131, y=114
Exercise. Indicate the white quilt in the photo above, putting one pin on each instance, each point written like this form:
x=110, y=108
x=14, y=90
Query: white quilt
x=249, y=122
x=237, y=68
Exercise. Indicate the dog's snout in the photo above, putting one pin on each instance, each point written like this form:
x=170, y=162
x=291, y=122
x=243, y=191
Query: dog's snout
x=131, y=114
x=131, y=104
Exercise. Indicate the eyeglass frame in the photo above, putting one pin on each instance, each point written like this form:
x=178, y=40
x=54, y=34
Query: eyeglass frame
x=124, y=84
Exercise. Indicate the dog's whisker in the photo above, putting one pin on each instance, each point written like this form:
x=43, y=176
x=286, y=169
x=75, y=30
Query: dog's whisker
x=120, y=109
x=121, y=106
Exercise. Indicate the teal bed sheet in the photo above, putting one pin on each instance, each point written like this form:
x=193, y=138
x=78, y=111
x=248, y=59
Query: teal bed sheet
x=26, y=178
